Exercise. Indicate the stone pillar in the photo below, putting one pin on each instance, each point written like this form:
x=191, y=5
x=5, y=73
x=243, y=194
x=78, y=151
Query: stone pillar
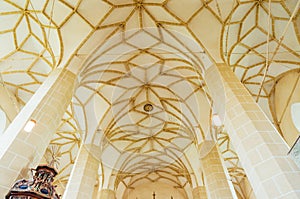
x=20, y=150
x=106, y=194
x=261, y=150
x=83, y=177
x=199, y=192
x=216, y=181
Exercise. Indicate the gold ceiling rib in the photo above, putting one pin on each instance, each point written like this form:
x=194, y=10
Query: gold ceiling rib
x=27, y=38
x=124, y=28
x=126, y=69
x=167, y=171
x=281, y=107
x=236, y=172
x=248, y=59
x=67, y=141
x=31, y=59
x=268, y=62
x=289, y=99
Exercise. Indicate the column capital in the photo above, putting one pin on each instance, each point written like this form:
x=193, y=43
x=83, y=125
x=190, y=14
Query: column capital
x=106, y=194
x=199, y=192
x=205, y=147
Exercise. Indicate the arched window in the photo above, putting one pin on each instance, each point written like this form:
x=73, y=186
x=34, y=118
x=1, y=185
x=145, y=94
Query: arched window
x=2, y=121
x=295, y=111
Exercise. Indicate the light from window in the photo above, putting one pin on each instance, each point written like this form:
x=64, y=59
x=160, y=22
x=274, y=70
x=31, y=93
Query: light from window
x=295, y=111
x=29, y=125
x=2, y=121
x=216, y=120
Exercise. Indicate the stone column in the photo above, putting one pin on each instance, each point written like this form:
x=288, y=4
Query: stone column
x=106, y=194
x=199, y=192
x=83, y=177
x=216, y=182
x=261, y=150
x=20, y=150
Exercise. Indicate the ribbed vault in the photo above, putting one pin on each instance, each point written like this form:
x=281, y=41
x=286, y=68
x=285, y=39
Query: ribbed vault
x=260, y=45
x=32, y=46
x=136, y=52
x=144, y=70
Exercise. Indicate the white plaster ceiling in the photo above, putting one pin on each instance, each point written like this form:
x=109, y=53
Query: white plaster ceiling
x=130, y=70
x=132, y=52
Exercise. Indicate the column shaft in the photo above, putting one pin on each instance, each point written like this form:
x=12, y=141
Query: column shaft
x=83, y=177
x=20, y=150
x=106, y=194
x=199, y=192
x=261, y=150
x=216, y=180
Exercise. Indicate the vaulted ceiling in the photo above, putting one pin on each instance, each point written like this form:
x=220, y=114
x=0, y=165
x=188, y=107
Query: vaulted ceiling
x=141, y=94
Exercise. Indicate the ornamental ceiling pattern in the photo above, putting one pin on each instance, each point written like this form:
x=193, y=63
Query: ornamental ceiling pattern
x=260, y=45
x=31, y=49
x=138, y=52
x=120, y=83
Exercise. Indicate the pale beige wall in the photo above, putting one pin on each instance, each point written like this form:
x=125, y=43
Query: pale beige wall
x=162, y=190
x=285, y=93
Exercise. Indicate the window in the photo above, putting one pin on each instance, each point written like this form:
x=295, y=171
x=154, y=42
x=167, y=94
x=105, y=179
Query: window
x=295, y=111
x=2, y=121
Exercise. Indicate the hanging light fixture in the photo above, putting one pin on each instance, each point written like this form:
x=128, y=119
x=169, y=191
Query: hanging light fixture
x=148, y=107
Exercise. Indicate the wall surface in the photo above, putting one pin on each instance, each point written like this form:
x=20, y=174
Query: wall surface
x=162, y=190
